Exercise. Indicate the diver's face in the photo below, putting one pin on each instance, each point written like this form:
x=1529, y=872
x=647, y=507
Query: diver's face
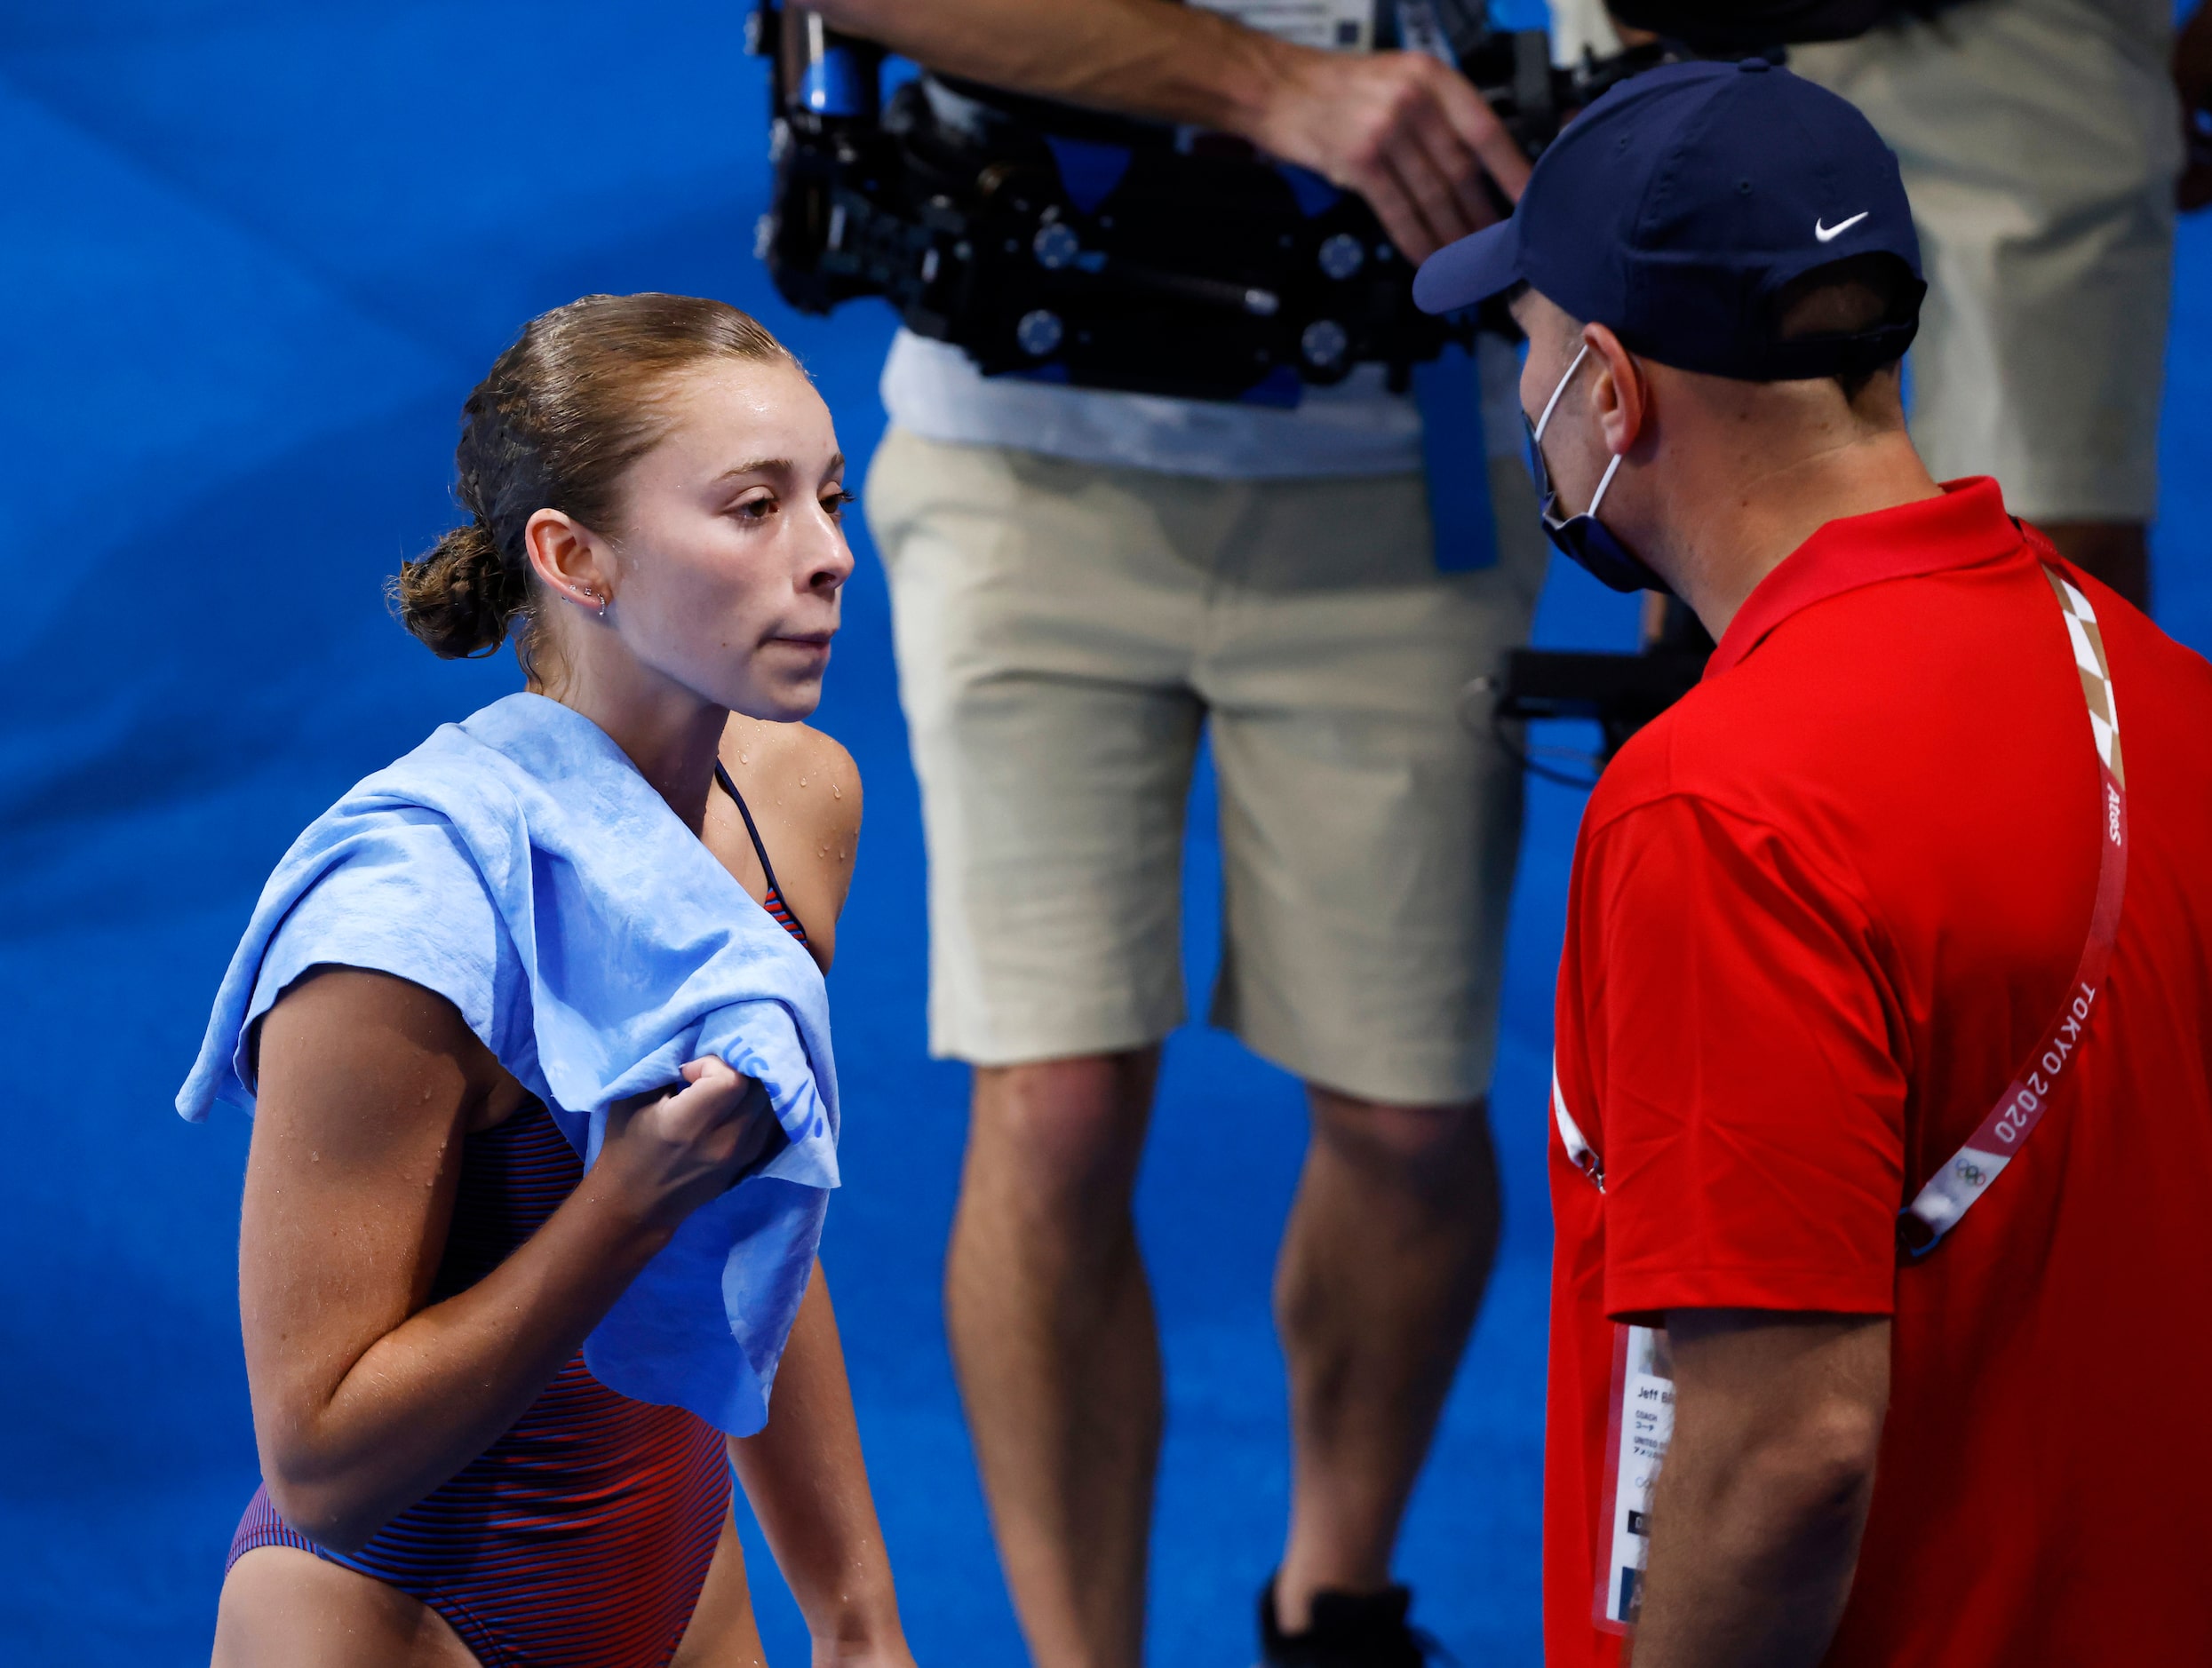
x=732, y=552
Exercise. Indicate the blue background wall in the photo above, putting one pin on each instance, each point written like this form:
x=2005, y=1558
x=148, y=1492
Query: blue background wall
x=253, y=257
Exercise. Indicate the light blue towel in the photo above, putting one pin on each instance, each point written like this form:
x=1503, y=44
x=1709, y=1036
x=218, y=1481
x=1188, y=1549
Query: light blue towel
x=519, y=865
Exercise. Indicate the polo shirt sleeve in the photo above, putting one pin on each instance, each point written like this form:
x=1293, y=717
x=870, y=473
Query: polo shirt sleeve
x=1745, y=1056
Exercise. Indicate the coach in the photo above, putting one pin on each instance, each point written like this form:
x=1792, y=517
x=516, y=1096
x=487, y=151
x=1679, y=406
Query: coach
x=1882, y=1101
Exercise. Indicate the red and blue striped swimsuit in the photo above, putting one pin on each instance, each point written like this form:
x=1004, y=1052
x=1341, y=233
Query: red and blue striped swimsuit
x=583, y=1536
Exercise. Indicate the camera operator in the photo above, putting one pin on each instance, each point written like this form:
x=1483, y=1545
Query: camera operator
x=1083, y=583
x=2042, y=141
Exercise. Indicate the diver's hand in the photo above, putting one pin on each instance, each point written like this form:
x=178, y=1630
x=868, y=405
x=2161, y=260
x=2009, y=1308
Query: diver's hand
x=1405, y=131
x=669, y=1151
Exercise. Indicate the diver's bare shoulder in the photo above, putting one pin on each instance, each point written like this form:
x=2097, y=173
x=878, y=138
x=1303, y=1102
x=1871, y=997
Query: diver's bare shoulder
x=804, y=792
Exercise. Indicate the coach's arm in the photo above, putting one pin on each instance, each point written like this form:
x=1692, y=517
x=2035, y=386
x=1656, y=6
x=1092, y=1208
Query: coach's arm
x=1408, y=134
x=1763, y=1494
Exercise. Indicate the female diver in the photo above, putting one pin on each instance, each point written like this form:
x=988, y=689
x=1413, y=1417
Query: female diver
x=656, y=494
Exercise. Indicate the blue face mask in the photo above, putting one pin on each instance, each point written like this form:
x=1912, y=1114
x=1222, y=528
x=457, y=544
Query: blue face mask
x=1584, y=539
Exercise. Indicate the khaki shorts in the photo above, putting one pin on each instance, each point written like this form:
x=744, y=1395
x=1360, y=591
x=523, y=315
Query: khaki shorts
x=2040, y=140
x=1066, y=631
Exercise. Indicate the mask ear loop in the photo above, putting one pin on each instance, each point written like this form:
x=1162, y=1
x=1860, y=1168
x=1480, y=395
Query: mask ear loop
x=1551, y=403
x=1603, y=481
x=1612, y=469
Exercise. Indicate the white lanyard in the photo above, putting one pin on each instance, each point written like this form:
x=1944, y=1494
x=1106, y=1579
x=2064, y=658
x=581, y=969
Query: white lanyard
x=1642, y=1399
x=1937, y=1207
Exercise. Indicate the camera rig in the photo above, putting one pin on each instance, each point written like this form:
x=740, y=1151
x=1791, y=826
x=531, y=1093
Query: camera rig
x=1620, y=693
x=1105, y=252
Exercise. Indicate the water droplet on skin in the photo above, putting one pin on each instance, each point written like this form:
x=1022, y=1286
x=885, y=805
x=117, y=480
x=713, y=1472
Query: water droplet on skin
x=802, y=782
x=836, y=792
x=745, y=759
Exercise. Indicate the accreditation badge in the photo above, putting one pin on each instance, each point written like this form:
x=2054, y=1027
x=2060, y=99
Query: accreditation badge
x=1334, y=26
x=1643, y=1421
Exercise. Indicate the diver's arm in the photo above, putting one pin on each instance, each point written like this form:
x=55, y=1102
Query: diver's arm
x=807, y=1486
x=364, y=1399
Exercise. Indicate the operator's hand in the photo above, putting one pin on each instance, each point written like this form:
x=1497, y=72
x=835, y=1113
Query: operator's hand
x=2192, y=76
x=671, y=1150
x=1405, y=132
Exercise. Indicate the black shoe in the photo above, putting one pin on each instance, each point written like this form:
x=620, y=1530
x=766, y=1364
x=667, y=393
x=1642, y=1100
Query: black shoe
x=1346, y=1629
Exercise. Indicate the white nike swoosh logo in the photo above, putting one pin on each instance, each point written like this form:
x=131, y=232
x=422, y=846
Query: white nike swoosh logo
x=1829, y=233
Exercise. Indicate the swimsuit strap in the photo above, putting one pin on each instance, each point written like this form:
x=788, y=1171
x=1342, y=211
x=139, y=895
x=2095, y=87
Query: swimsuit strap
x=775, y=902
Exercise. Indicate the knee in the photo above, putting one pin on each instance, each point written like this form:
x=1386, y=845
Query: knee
x=1435, y=1151
x=1066, y=1135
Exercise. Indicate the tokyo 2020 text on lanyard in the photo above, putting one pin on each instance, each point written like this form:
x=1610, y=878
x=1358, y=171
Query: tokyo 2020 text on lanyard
x=1642, y=1400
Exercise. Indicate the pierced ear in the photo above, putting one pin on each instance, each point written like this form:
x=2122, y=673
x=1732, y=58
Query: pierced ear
x=569, y=560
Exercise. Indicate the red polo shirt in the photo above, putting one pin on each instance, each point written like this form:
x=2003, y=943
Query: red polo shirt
x=1821, y=910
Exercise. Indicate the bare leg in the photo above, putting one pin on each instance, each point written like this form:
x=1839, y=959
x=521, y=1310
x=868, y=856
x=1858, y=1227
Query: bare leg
x=2118, y=552
x=1382, y=1273
x=1053, y=1338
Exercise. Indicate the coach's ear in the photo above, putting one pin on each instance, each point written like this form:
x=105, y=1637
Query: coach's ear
x=1620, y=396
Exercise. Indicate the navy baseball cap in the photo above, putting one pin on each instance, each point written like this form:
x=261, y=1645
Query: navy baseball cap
x=1675, y=209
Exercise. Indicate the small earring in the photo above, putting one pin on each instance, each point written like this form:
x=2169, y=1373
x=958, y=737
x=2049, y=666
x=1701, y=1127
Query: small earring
x=601, y=601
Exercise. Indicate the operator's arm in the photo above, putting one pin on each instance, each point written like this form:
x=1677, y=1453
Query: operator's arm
x=1762, y=1497
x=1402, y=129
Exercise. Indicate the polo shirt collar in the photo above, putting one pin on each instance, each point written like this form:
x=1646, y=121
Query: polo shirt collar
x=1966, y=527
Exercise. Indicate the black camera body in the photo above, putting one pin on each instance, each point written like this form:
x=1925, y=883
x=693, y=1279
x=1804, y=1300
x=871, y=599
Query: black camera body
x=1103, y=252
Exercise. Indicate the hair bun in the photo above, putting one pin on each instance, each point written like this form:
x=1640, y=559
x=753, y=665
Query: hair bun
x=459, y=596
